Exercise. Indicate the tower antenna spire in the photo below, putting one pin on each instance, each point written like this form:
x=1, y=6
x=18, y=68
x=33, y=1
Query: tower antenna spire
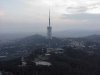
x=49, y=31
x=49, y=17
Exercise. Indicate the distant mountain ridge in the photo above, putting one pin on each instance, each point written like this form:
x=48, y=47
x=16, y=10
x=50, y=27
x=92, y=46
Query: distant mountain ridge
x=75, y=33
x=28, y=44
x=94, y=38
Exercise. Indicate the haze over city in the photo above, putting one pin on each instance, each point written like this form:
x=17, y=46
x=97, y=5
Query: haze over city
x=31, y=16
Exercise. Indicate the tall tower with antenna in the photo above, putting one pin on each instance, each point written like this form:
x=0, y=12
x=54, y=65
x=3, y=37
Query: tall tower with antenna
x=49, y=32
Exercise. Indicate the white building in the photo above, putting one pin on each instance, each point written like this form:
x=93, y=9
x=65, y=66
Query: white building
x=44, y=63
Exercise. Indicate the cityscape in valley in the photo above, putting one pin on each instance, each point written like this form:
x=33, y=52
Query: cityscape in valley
x=50, y=52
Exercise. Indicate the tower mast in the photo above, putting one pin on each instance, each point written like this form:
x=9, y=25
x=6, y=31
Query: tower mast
x=49, y=17
x=49, y=33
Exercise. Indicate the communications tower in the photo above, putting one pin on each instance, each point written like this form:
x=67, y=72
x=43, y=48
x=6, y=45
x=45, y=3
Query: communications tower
x=49, y=32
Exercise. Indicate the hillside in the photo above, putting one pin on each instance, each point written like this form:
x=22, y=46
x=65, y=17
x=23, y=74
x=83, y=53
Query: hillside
x=81, y=56
x=27, y=45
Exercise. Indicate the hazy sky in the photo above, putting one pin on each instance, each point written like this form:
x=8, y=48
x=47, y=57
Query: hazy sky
x=32, y=15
